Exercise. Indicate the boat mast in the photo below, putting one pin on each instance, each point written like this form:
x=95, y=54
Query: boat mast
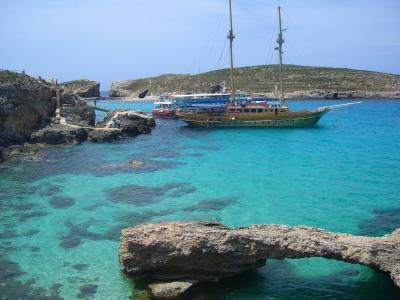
x=231, y=37
x=280, y=42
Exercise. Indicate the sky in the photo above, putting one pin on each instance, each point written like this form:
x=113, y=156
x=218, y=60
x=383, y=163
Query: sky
x=128, y=39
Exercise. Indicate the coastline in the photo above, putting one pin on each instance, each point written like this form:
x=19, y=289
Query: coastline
x=288, y=99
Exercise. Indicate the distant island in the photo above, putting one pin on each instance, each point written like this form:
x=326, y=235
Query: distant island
x=300, y=82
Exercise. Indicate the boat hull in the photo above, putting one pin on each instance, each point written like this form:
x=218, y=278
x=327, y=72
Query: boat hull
x=301, y=119
x=164, y=113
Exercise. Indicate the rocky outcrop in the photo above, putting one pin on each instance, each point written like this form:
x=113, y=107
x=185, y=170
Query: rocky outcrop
x=26, y=104
x=76, y=111
x=83, y=88
x=131, y=124
x=122, y=88
x=73, y=108
x=55, y=134
x=28, y=111
x=172, y=251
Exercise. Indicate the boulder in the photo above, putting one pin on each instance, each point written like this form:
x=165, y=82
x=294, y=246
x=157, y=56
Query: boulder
x=102, y=136
x=79, y=114
x=174, y=251
x=170, y=290
x=55, y=134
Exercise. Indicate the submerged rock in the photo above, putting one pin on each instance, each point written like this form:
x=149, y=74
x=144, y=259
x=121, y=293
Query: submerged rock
x=172, y=251
x=134, y=163
x=166, y=290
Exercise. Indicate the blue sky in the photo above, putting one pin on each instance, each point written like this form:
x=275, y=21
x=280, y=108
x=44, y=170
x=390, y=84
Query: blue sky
x=127, y=39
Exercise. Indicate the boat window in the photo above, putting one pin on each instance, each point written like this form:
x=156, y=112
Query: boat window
x=254, y=110
x=232, y=110
x=260, y=110
x=239, y=110
x=246, y=110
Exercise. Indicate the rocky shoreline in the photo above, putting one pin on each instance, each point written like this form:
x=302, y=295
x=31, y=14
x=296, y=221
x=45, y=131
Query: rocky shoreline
x=174, y=256
x=29, y=115
x=334, y=95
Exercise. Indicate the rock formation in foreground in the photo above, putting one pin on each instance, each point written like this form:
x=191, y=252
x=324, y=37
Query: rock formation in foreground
x=184, y=251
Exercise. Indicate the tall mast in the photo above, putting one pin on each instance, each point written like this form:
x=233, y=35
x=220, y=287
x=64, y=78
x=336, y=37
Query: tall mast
x=280, y=42
x=231, y=37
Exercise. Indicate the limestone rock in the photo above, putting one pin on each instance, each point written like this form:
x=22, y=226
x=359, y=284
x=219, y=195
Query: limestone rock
x=102, y=136
x=79, y=114
x=210, y=251
x=83, y=88
x=26, y=104
x=121, y=89
x=168, y=290
x=55, y=134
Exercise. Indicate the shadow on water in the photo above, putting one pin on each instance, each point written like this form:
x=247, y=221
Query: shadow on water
x=278, y=280
x=383, y=221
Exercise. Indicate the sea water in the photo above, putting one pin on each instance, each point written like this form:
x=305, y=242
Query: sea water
x=61, y=214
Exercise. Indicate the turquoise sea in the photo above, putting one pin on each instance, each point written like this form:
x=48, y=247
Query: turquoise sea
x=61, y=215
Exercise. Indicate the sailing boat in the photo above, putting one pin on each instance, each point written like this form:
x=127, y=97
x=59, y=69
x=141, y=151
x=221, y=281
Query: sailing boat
x=252, y=114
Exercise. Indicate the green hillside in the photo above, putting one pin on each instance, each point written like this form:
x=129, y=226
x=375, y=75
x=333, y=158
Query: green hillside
x=263, y=79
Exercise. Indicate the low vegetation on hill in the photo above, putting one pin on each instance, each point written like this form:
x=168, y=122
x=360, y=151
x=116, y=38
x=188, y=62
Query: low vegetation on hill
x=264, y=79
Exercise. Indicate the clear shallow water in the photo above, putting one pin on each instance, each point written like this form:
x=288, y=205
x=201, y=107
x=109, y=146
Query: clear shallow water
x=61, y=216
